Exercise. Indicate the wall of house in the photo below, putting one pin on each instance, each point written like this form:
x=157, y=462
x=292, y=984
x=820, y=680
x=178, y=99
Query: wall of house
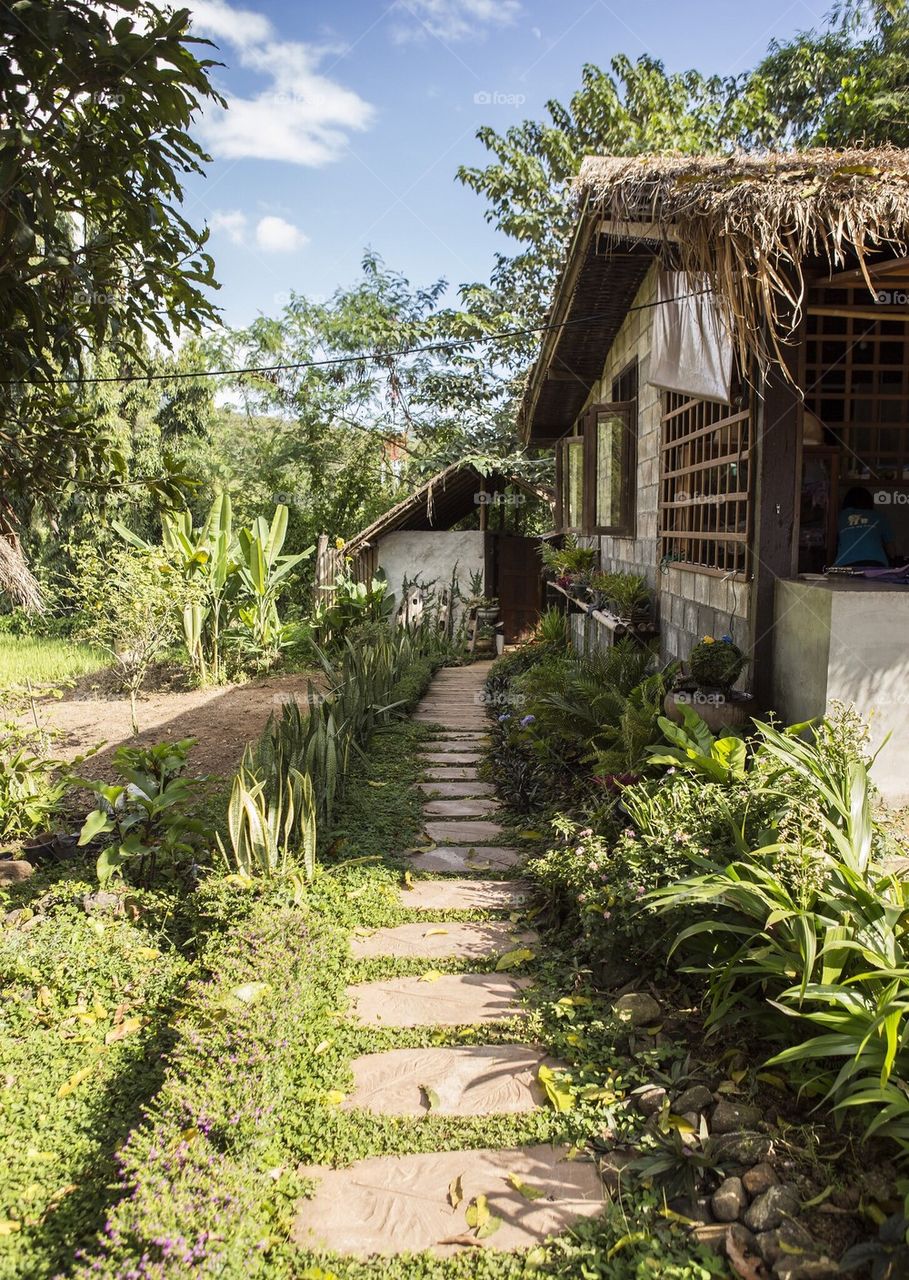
x=432, y=555
x=691, y=604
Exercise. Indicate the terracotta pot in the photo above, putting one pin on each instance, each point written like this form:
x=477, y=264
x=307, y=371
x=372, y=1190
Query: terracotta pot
x=718, y=710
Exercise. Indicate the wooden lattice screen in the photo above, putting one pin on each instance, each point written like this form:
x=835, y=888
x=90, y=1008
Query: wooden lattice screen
x=857, y=382
x=705, y=482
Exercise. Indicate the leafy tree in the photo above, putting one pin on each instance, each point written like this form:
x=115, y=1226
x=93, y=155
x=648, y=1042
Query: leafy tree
x=95, y=102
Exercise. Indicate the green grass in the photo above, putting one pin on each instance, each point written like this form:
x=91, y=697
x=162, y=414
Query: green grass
x=46, y=661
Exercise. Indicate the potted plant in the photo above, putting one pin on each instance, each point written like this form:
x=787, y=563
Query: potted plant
x=570, y=565
x=486, y=607
x=713, y=667
x=625, y=595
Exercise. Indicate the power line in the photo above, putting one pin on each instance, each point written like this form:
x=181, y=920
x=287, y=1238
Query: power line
x=449, y=345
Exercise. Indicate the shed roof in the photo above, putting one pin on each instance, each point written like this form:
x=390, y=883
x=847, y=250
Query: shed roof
x=442, y=501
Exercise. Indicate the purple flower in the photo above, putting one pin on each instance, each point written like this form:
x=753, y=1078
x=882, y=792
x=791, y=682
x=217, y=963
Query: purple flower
x=527, y=720
x=503, y=717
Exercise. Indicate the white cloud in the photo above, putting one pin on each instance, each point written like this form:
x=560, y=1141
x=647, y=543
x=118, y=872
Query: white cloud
x=232, y=222
x=300, y=116
x=237, y=26
x=451, y=20
x=276, y=235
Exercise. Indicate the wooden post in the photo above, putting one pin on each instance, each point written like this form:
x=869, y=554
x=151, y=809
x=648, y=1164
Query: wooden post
x=778, y=428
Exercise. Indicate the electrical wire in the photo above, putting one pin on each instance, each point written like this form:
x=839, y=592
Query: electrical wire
x=450, y=345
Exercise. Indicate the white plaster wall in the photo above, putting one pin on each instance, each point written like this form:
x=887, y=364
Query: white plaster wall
x=847, y=642
x=432, y=555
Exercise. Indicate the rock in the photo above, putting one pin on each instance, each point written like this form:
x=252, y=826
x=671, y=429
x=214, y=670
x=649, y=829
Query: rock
x=760, y=1179
x=789, y=1240
x=731, y=1117
x=806, y=1269
x=744, y=1240
x=103, y=900
x=697, y=1098
x=770, y=1208
x=741, y=1148
x=711, y=1234
x=636, y=1008
x=699, y=1211
x=14, y=870
x=650, y=1100
x=729, y=1200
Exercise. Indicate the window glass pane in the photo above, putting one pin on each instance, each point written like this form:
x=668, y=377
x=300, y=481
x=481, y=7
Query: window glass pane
x=574, y=484
x=610, y=459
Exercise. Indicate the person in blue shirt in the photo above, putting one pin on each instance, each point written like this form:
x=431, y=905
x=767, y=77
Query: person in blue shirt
x=864, y=534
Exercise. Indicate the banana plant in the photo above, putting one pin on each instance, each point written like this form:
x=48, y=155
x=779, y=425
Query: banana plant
x=264, y=571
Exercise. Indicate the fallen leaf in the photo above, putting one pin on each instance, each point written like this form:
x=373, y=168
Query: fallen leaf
x=524, y=1188
x=463, y=1239
x=74, y=1081
x=434, y=933
x=376, y=784
x=556, y=1090
x=432, y=1098
x=477, y=1211
x=408, y=880
x=147, y=953
x=431, y=975
x=322, y=1046
x=512, y=959
x=745, y=1266
x=250, y=992
x=334, y=1097
x=125, y=1028
x=8, y=1227
x=455, y=1192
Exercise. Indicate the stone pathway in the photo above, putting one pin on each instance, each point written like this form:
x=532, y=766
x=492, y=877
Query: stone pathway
x=395, y=1204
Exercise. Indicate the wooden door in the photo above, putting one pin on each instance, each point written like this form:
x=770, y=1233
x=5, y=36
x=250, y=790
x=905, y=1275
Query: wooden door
x=518, y=583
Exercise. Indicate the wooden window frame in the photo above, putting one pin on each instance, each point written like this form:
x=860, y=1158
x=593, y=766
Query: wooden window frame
x=624, y=527
x=563, y=476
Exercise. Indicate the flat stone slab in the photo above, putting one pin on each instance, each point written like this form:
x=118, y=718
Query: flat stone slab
x=465, y=895
x=454, y=1000
x=453, y=755
x=482, y=1080
x=457, y=858
x=466, y=940
x=449, y=721
x=455, y=745
x=455, y=789
x=449, y=773
x=400, y=1204
x=468, y=831
x=475, y=808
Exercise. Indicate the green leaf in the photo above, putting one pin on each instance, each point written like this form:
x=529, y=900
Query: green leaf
x=513, y=959
x=98, y=822
x=555, y=1089
x=524, y=1188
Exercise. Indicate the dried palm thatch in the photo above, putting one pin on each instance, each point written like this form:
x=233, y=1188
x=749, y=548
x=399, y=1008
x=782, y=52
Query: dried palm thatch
x=751, y=223
x=16, y=579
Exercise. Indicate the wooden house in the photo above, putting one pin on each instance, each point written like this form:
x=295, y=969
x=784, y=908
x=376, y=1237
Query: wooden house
x=727, y=354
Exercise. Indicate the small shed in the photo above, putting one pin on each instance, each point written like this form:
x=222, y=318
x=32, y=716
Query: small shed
x=458, y=523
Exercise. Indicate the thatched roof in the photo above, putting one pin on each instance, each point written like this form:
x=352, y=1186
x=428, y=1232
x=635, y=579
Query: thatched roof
x=751, y=223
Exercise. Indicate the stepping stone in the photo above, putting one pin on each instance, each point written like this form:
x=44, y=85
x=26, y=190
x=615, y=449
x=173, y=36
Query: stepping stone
x=451, y=773
x=452, y=789
x=452, y=757
x=14, y=870
x=481, y=1080
x=454, y=858
x=468, y=831
x=433, y=942
x=465, y=895
x=456, y=744
x=454, y=1000
x=475, y=808
x=464, y=721
x=400, y=1204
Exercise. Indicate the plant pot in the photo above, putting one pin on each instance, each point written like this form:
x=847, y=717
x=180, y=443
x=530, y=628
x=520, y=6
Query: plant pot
x=488, y=616
x=718, y=708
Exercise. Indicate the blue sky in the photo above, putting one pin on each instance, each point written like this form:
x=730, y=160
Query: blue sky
x=349, y=119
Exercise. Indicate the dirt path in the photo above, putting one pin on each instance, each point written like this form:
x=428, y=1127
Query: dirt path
x=222, y=719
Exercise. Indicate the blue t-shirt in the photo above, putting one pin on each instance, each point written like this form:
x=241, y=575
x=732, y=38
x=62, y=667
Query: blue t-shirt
x=862, y=535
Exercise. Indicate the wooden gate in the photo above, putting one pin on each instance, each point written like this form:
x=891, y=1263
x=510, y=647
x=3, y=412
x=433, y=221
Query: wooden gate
x=518, y=583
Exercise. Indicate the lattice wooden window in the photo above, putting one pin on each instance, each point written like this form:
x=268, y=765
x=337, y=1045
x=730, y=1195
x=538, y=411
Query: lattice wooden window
x=857, y=383
x=705, y=485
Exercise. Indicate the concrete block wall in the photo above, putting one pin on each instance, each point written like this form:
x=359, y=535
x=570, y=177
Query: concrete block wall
x=689, y=604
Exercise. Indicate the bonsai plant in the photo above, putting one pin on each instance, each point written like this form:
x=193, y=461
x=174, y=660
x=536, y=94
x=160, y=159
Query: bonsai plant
x=716, y=664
